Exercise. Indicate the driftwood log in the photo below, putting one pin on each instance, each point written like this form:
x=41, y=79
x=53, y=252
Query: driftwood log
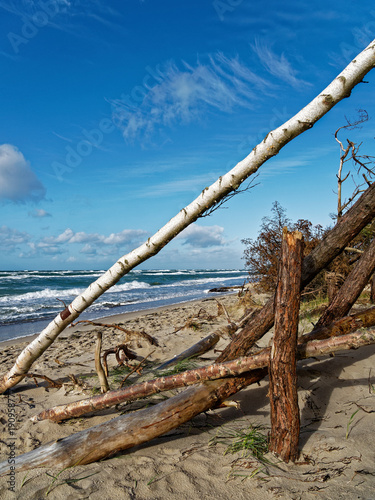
x=126, y=431
x=197, y=349
x=210, y=198
x=334, y=242
x=344, y=326
x=104, y=387
x=282, y=371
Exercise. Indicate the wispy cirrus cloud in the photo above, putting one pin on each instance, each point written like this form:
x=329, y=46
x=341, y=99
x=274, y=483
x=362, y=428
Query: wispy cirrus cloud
x=187, y=92
x=277, y=65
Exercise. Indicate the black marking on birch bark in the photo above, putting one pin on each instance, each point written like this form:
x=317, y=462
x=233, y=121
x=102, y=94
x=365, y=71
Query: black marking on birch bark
x=65, y=313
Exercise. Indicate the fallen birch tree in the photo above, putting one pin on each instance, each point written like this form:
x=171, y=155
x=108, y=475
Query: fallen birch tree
x=344, y=326
x=210, y=197
x=126, y=431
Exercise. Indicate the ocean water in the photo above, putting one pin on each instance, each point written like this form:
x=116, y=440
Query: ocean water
x=29, y=300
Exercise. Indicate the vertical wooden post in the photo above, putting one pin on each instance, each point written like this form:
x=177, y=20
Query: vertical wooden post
x=104, y=387
x=285, y=419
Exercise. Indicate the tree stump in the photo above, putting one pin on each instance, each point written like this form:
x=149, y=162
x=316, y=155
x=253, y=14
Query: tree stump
x=285, y=419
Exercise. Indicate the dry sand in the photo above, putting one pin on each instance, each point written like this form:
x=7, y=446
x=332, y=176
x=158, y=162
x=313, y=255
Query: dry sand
x=182, y=464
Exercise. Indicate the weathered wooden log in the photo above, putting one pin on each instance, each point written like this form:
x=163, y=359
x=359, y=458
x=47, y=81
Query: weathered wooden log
x=372, y=290
x=282, y=370
x=334, y=242
x=139, y=427
x=132, y=429
x=200, y=347
x=351, y=289
x=104, y=387
x=334, y=282
x=210, y=198
x=344, y=326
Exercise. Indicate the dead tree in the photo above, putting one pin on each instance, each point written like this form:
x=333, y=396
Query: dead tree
x=285, y=419
x=211, y=196
x=344, y=326
x=132, y=429
x=334, y=242
x=352, y=287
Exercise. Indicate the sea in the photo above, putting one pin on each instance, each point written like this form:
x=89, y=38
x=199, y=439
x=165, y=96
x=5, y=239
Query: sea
x=29, y=300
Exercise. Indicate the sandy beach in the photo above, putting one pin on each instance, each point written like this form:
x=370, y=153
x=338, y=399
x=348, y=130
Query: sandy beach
x=337, y=457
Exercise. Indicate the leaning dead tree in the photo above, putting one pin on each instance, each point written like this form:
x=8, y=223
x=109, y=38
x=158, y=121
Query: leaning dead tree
x=333, y=243
x=339, y=328
x=351, y=288
x=132, y=429
x=340, y=88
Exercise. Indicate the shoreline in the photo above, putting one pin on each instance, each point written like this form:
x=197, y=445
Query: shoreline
x=113, y=318
x=335, y=399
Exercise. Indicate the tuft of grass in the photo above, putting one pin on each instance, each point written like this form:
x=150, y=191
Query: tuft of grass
x=250, y=440
x=180, y=366
x=66, y=481
x=350, y=423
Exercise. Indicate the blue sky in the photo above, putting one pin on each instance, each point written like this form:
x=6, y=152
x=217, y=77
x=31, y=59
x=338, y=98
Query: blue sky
x=115, y=115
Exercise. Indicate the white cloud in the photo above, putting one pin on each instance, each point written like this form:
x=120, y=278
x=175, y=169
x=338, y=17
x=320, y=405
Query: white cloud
x=39, y=213
x=125, y=237
x=18, y=183
x=203, y=237
x=10, y=239
x=278, y=65
x=188, y=93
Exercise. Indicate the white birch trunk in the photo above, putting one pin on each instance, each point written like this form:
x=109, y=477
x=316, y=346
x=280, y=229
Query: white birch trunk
x=275, y=140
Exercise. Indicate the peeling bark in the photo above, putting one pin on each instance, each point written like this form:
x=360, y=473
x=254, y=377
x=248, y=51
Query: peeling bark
x=342, y=327
x=337, y=90
x=282, y=370
x=354, y=220
x=129, y=430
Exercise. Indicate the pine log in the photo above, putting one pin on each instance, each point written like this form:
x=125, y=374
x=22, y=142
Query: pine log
x=136, y=428
x=364, y=319
x=351, y=289
x=282, y=371
x=334, y=242
x=132, y=429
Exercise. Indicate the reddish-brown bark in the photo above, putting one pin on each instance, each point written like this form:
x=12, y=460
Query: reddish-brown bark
x=355, y=219
x=285, y=420
x=351, y=289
